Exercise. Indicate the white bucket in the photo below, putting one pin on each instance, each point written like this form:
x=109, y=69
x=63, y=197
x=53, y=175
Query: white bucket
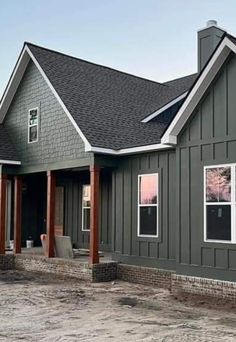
x=29, y=243
x=11, y=244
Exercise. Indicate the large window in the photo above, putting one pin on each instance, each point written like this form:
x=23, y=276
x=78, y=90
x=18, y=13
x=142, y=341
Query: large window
x=148, y=205
x=86, y=207
x=219, y=203
x=33, y=125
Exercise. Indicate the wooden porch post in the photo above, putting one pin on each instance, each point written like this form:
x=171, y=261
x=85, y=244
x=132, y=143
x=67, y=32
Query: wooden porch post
x=17, y=213
x=51, y=190
x=3, y=193
x=94, y=214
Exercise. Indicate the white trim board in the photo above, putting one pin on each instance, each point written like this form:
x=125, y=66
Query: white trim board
x=198, y=90
x=14, y=82
x=10, y=162
x=131, y=150
x=167, y=106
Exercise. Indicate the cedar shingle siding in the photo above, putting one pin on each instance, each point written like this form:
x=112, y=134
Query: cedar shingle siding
x=58, y=139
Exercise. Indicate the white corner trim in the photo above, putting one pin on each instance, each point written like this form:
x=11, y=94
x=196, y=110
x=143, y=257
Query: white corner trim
x=10, y=162
x=167, y=106
x=193, y=98
x=87, y=144
x=127, y=151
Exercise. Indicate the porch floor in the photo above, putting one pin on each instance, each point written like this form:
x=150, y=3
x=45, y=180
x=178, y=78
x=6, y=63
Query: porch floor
x=105, y=257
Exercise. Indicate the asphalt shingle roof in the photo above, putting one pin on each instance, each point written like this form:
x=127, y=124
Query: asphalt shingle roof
x=108, y=105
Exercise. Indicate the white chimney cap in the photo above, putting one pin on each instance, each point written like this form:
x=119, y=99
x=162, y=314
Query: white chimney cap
x=211, y=23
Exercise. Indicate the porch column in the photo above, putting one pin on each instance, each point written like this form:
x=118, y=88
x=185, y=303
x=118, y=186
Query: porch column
x=51, y=190
x=3, y=193
x=94, y=214
x=17, y=213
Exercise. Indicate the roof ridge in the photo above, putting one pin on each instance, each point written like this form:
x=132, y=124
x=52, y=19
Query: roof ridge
x=93, y=63
x=179, y=78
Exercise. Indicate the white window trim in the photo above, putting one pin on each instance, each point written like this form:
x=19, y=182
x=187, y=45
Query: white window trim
x=83, y=207
x=29, y=126
x=232, y=203
x=148, y=205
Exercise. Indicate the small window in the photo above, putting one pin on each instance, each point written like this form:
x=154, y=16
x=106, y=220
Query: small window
x=33, y=125
x=219, y=203
x=86, y=207
x=148, y=205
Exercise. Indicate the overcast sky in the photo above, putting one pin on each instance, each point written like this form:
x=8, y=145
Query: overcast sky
x=155, y=39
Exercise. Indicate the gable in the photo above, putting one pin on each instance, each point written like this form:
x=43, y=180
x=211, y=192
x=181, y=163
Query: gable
x=58, y=139
x=214, y=119
x=201, y=86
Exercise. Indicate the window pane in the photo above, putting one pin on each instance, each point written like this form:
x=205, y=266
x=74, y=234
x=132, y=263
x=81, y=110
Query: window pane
x=86, y=195
x=33, y=131
x=218, y=222
x=86, y=218
x=33, y=117
x=148, y=220
x=148, y=189
x=218, y=184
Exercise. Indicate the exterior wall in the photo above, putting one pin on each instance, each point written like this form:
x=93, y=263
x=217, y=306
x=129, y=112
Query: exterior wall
x=127, y=246
x=208, y=139
x=73, y=208
x=58, y=139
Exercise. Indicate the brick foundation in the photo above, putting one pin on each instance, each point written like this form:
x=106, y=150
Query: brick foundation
x=144, y=275
x=203, y=286
x=7, y=262
x=67, y=268
x=111, y=270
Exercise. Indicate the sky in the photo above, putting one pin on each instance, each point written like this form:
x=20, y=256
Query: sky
x=154, y=39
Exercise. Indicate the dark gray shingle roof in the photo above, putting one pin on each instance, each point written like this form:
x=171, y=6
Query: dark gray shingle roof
x=108, y=105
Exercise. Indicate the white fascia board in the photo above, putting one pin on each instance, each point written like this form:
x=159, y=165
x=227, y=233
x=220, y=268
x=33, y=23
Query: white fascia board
x=167, y=106
x=86, y=143
x=10, y=162
x=126, y=151
x=193, y=98
x=14, y=82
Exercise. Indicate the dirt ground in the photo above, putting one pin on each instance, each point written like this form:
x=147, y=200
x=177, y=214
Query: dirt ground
x=44, y=308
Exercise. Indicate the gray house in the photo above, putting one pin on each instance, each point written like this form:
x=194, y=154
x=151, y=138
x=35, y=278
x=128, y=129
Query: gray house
x=144, y=170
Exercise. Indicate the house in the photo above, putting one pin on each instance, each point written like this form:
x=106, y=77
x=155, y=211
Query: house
x=142, y=169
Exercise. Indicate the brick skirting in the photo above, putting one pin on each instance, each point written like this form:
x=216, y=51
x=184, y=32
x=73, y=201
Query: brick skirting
x=7, y=262
x=144, y=275
x=111, y=270
x=63, y=267
x=203, y=286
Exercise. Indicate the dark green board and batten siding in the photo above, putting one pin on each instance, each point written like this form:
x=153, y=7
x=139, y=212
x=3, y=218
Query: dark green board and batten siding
x=73, y=183
x=209, y=138
x=127, y=246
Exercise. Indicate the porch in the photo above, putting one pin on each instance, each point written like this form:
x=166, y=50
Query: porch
x=55, y=203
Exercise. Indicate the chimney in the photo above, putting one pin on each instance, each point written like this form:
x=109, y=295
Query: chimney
x=208, y=39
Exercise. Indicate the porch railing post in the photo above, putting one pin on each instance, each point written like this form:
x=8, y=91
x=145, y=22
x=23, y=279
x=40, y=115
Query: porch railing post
x=3, y=193
x=51, y=190
x=17, y=213
x=94, y=214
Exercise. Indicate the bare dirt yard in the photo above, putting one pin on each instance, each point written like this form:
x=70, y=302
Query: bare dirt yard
x=43, y=308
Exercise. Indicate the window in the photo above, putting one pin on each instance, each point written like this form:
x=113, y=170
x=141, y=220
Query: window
x=86, y=208
x=148, y=205
x=33, y=125
x=219, y=203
